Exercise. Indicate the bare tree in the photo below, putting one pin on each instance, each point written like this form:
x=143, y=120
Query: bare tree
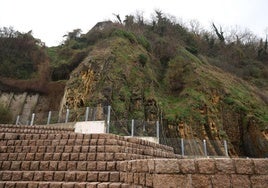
x=129, y=21
x=139, y=18
x=195, y=27
x=219, y=33
x=118, y=18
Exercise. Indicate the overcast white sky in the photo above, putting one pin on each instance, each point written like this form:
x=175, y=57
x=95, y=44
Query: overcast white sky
x=51, y=19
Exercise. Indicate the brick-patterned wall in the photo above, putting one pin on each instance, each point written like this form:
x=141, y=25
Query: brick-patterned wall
x=167, y=173
x=36, y=156
x=33, y=156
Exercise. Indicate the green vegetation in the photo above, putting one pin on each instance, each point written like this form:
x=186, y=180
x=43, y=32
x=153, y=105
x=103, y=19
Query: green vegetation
x=190, y=74
x=125, y=34
x=5, y=115
x=68, y=56
x=20, y=54
x=142, y=59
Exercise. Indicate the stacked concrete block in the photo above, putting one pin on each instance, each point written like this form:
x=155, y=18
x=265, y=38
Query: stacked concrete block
x=196, y=172
x=48, y=157
x=39, y=156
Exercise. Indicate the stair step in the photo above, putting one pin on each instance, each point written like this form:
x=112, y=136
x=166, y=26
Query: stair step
x=65, y=176
x=45, y=184
x=54, y=157
x=70, y=156
x=75, y=138
x=59, y=165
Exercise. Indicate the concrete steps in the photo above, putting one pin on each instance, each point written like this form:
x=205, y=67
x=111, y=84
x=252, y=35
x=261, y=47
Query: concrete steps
x=46, y=184
x=63, y=176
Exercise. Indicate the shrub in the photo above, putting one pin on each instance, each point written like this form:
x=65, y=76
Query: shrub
x=77, y=58
x=142, y=59
x=192, y=50
x=60, y=73
x=144, y=42
x=125, y=34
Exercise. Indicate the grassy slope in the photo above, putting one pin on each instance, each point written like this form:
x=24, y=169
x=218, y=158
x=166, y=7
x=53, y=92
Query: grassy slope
x=207, y=88
x=190, y=86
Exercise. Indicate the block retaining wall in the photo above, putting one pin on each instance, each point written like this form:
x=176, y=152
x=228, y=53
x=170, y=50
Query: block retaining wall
x=32, y=156
x=167, y=173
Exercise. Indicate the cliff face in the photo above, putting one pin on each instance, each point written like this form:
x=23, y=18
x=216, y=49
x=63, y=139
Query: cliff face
x=112, y=74
x=192, y=98
x=200, y=100
x=215, y=105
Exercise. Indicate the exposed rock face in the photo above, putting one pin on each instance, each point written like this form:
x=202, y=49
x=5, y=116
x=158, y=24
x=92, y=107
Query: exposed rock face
x=82, y=84
x=222, y=109
x=103, y=78
x=111, y=75
x=102, y=26
x=195, y=99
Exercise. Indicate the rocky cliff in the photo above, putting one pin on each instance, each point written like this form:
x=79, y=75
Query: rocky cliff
x=192, y=98
x=201, y=100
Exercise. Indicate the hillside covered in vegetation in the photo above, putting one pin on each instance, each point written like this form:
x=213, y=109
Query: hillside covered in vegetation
x=200, y=84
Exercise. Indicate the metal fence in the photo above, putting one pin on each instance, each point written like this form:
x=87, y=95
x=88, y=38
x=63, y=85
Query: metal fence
x=134, y=128
x=196, y=147
x=139, y=128
x=64, y=116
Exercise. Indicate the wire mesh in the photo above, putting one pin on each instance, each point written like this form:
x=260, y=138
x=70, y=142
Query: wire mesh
x=139, y=128
x=133, y=128
x=64, y=116
x=197, y=147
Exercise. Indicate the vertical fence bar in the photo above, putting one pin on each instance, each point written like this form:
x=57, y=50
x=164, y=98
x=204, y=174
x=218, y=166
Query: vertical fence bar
x=143, y=126
x=205, y=147
x=157, y=130
x=108, y=119
x=32, y=119
x=67, y=115
x=87, y=113
x=132, y=127
x=18, y=120
x=48, y=117
x=94, y=113
x=182, y=147
x=226, y=148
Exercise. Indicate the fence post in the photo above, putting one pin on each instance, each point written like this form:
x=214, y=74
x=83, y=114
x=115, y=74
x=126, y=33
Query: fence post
x=32, y=119
x=157, y=130
x=17, y=120
x=49, y=117
x=182, y=147
x=94, y=113
x=87, y=112
x=132, y=127
x=205, y=148
x=67, y=115
x=226, y=148
x=108, y=119
x=143, y=126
